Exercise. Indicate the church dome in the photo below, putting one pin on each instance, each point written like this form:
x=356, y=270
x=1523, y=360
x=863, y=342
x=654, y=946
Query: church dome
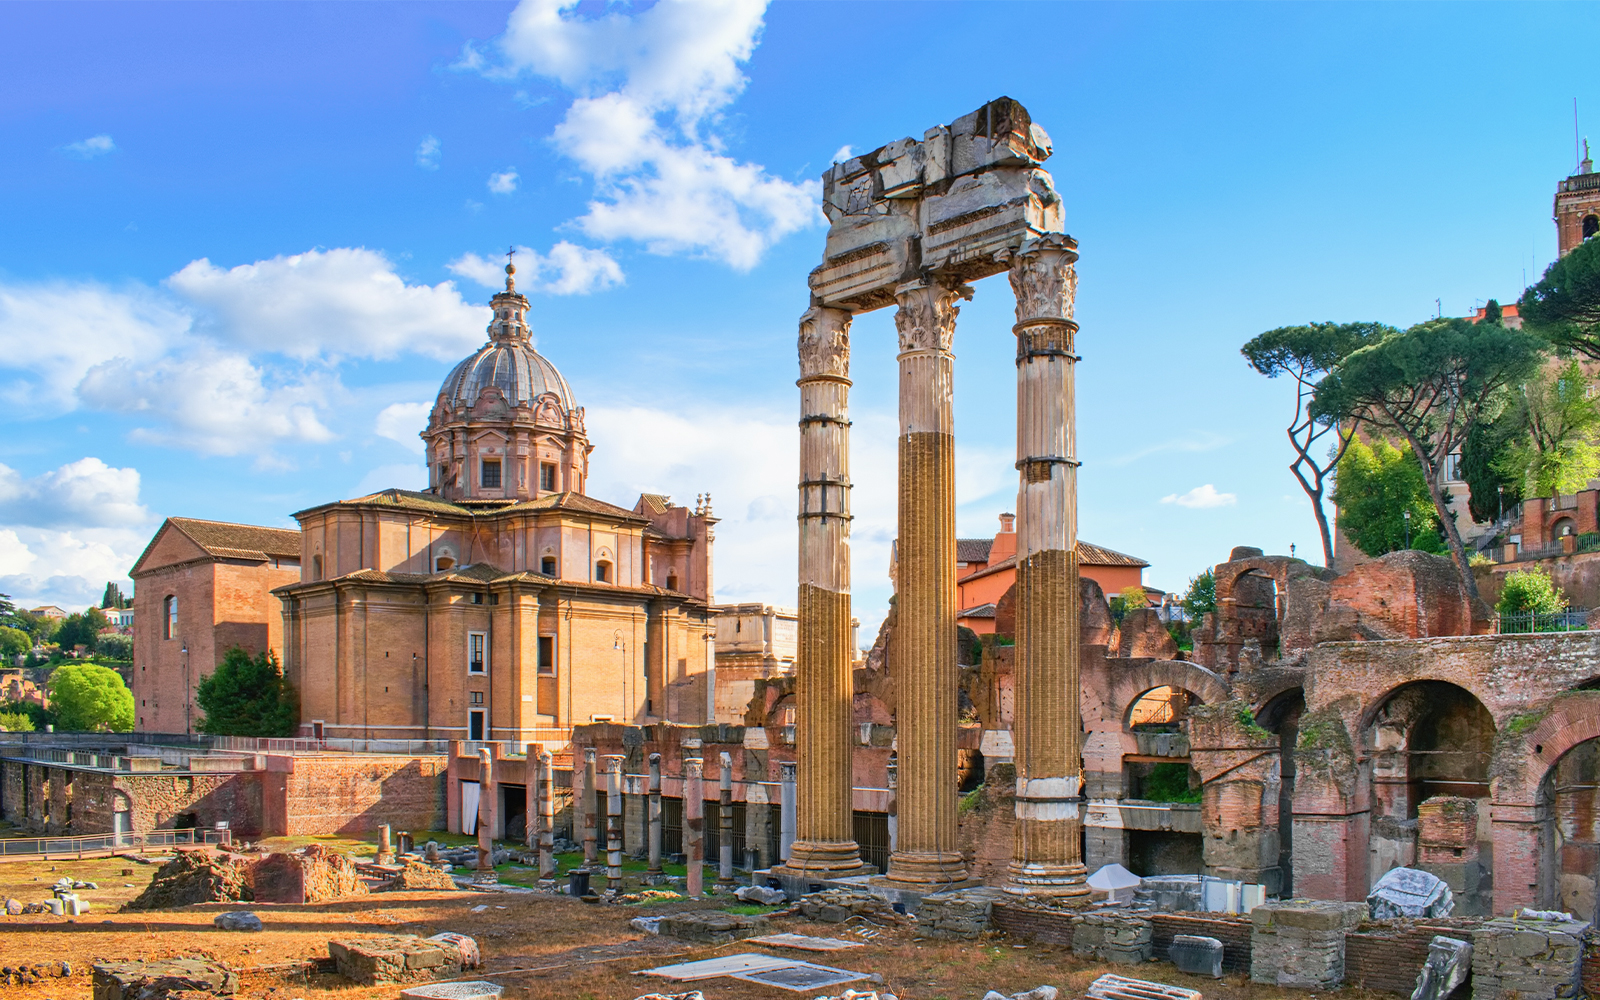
x=508, y=361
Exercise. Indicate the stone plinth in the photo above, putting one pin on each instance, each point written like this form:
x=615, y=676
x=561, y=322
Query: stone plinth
x=127, y=980
x=713, y=926
x=396, y=958
x=1301, y=942
x=1527, y=958
x=1119, y=938
x=962, y=915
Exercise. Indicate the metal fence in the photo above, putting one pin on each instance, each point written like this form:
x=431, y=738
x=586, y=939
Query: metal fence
x=307, y=744
x=20, y=848
x=1570, y=620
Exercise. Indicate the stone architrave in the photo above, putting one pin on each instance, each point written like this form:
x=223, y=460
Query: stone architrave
x=725, y=819
x=613, y=770
x=654, y=872
x=547, y=815
x=924, y=652
x=694, y=824
x=1047, y=854
x=586, y=805
x=824, y=842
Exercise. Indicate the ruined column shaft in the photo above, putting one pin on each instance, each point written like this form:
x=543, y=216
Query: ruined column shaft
x=613, y=771
x=547, y=815
x=725, y=819
x=825, y=840
x=586, y=805
x=1047, y=856
x=694, y=823
x=655, y=816
x=924, y=648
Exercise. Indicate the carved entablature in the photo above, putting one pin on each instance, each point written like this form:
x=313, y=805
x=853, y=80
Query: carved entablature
x=950, y=206
x=825, y=343
x=926, y=319
x=1044, y=278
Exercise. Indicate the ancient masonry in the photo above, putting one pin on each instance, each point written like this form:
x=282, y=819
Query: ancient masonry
x=911, y=224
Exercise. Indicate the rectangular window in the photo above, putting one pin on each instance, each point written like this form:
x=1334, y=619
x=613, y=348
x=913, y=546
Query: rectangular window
x=443, y=471
x=171, y=628
x=475, y=725
x=477, y=697
x=491, y=474
x=477, y=652
x=547, y=565
x=547, y=476
x=547, y=654
x=602, y=572
x=1452, y=468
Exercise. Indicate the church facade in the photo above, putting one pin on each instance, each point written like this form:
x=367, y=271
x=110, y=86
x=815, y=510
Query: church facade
x=502, y=603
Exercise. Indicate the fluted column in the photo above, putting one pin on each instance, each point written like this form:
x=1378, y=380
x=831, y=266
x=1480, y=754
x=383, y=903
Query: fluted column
x=924, y=648
x=694, y=824
x=825, y=841
x=547, y=815
x=1047, y=855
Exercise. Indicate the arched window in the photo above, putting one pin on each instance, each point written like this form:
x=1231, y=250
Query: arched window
x=170, y=613
x=443, y=563
x=602, y=572
x=1591, y=225
x=1563, y=528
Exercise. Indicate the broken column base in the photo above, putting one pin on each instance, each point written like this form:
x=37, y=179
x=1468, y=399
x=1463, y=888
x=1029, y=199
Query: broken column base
x=126, y=980
x=798, y=882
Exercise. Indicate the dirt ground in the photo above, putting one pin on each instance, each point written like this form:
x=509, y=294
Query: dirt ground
x=540, y=947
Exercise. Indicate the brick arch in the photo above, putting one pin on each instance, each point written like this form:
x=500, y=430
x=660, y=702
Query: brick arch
x=1129, y=683
x=1524, y=761
x=1370, y=710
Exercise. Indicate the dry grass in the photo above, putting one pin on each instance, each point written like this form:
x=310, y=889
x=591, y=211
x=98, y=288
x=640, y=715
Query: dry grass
x=540, y=947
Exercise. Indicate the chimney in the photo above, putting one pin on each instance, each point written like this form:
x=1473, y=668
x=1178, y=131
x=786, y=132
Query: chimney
x=1008, y=523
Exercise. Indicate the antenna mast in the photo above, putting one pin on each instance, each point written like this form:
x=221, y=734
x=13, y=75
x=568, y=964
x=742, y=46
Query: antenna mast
x=1576, y=155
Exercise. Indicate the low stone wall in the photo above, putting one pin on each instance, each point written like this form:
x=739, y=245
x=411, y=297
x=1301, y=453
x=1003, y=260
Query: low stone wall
x=1530, y=958
x=1110, y=936
x=1233, y=932
x=961, y=915
x=1301, y=942
x=1048, y=926
x=1389, y=959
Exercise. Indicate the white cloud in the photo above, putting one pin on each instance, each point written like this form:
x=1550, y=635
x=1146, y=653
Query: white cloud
x=844, y=153
x=649, y=88
x=212, y=402
x=504, y=182
x=344, y=301
x=428, y=153
x=85, y=493
x=567, y=269
x=1195, y=442
x=402, y=423
x=388, y=477
x=1202, y=498
x=88, y=149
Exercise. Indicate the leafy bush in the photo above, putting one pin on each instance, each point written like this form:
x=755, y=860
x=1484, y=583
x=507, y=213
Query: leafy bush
x=87, y=697
x=248, y=696
x=114, y=647
x=1170, y=783
x=1530, y=590
x=15, y=722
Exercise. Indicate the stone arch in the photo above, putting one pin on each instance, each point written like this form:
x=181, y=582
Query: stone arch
x=1128, y=685
x=1591, y=225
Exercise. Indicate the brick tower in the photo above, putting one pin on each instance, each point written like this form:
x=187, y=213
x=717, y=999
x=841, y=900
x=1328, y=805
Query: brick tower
x=1577, y=208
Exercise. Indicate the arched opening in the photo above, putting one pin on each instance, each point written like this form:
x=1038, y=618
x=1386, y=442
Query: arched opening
x=1572, y=791
x=1256, y=610
x=443, y=563
x=1281, y=715
x=1430, y=744
x=1591, y=225
x=672, y=581
x=1563, y=527
x=602, y=572
x=1161, y=709
x=1164, y=835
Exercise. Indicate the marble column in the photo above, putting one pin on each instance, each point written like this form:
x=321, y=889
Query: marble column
x=1047, y=853
x=725, y=819
x=587, y=803
x=613, y=771
x=547, y=815
x=824, y=839
x=653, y=874
x=924, y=648
x=786, y=807
x=694, y=824
x=485, y=811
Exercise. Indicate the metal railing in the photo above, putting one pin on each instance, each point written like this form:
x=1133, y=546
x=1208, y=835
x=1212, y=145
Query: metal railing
x=19, y=848
x=1570, y=620
x=308, y=744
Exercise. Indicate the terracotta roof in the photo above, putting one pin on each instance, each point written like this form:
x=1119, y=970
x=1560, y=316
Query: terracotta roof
x=981, y=611
x=224, y=540
x=973, y=549
x=580, y=503
x=411, y=500
x=1090, y=554
x=653, y=503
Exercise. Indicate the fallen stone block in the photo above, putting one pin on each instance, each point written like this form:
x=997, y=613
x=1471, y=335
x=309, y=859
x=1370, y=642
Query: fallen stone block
x=395, y=958
x=238, y=921
x=454, y=991
x=471, y=958
x=1448, y=965
x=1037, y=993
x=419, y=877
x=648, y=925
x=712, y=926
x=761, y=894
x=13, y=907
x=1196, y=954
x=159, y=980
x=1408, y=892
x=1109, y=987
x=691, y=995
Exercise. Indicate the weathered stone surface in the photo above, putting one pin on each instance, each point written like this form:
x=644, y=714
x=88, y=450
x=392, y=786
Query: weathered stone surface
x=1301, y=942
x=1408, y=892
x=761, y=894
x=195, y=877
x=832, y=906
x=314, y=874
x=1448, y=965
x=240, y=921
x=160, y=980
x=712, y=926
x=453, y=991
x=1527, y=956
x=1196, y=954
x=416, y=877
x=395, y=958
x=1111, y=936
x=1143, y=634
x=961, y=915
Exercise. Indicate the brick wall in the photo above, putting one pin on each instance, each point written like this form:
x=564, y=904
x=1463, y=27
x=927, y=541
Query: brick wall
x=1233, y=932
x=348, y=793
x=1035, y=925
x=1389, y=960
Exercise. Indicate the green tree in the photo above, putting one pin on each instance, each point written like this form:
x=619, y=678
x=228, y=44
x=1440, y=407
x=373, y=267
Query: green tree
x=1307, y=354
x=1375, y=487
x=15, y=722
x=112, y=646
x=1558, y=453
x=1564, y=306
x=81, y=629
x=248, y=696
x=37, y=715
x=1430, y=385
x=1490, y=491
x=9, y=615
x=113, y=597
x=1530, y=590
x=1201, y=597
x=14, y=642
x=87, y=697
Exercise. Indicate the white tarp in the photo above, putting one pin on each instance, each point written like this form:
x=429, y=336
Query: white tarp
x=469, y=807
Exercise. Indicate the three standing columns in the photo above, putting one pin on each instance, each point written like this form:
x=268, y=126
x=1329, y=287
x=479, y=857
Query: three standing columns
x=1047, y=855
x=924, y=649
x=825, y=840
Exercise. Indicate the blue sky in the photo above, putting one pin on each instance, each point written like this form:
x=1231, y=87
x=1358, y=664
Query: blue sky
x=240, y=245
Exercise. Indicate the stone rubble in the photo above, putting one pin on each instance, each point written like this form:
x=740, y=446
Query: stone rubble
x=835, y=906
x=163, y=979
x=1118, y=937
x=415, y=876
x=239, y=921
x=1409, y=892
x=1448, y=965
x=761, y=894
x=1529, y=958
x=195, y=877
x=400, y=958
x=1037, y=993
x=1110, y=987
x=962, y=914
x=711, y=926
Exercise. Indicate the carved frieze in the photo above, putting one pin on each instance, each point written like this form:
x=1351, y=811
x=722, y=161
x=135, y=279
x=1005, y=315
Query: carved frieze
x=825, y=342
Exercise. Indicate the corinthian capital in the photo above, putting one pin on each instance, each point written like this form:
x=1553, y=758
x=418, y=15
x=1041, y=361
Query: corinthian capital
x=926, y=318
x=1044, y=279
x=825, y=342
